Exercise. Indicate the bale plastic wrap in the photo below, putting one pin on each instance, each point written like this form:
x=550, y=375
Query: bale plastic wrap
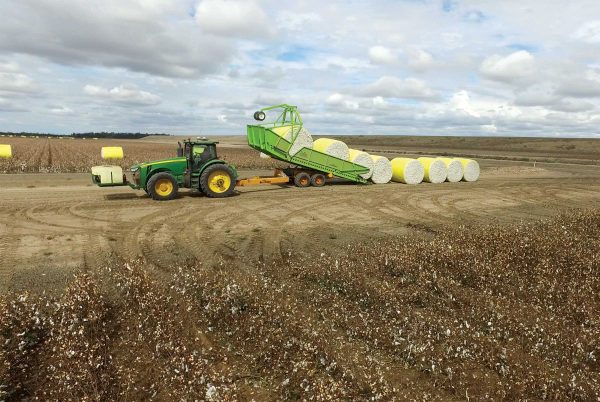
x=407, y=170
x=435, y=170
x=361, y=158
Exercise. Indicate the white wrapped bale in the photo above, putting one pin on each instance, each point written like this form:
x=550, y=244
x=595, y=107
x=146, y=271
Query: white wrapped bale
x=455, y=169
x=332, y=147
x=382, y=170
x=407, y=170
x=435, y=170
x=470, y=169
x=363, y=159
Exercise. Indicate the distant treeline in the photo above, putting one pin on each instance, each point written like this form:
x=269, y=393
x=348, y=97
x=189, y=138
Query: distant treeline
x=85, y=135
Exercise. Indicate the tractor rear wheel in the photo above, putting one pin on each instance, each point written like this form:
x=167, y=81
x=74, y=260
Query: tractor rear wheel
x=217, y=181
x=317, y=180
x=162, y=187
x=302, y=179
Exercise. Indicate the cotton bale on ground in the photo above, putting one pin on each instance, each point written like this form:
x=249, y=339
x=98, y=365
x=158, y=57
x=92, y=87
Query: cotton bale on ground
x=455, y=169
x=435, y=170
x=382, y=170
x=470, y=169
x=407, y=170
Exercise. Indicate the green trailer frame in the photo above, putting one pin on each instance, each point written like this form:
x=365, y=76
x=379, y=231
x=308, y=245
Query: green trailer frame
x=262, y=138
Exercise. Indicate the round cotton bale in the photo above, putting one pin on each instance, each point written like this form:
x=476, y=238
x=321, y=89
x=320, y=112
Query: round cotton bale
x=382, y=170
x=5, y=151
x=470, y=169
x=112, y=153
x=332, y=147
x=407, y=170
x=363, y=159
x=303, y=138
x=435, y=170
x=455, y=169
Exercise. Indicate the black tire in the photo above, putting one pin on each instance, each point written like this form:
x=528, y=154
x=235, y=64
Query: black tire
x=260, y=116
x=302, y=179
x=217, y=187
x=317, y=180
x=159, y=189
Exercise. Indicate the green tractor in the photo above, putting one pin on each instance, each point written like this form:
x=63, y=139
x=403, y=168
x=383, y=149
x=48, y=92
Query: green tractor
x=196, y=167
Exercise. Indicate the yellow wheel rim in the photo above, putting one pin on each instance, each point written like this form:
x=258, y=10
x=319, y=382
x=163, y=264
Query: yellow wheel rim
x=163, y=187
x=219, y=182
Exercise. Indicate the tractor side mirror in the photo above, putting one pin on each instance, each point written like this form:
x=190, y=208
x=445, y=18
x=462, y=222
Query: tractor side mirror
x=179, y=150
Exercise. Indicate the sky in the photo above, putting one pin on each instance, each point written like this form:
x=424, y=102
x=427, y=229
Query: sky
x=406, y=67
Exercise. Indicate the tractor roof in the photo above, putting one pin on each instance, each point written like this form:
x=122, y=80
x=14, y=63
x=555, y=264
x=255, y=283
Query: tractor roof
x=201, y=141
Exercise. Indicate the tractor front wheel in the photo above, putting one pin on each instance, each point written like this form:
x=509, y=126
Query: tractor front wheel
x=162, y=187
x=217, y=181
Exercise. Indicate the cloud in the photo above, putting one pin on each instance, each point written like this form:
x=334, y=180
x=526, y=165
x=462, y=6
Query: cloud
x=589, y=32
x=509, y=68
x=143, y=36
x=340, y=101
x=419, y=59
x=62, y=110
x=10, y=106
x=381, y=54
x=13, y=80
x=579, y=87
x=123, y=95
x=392, y=87
x=233, y=18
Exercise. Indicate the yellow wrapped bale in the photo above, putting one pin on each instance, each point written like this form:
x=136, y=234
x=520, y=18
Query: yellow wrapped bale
x=112, y=153
x=303, y=137
x=455, y=169
x=5, y=151
x=407, y=170
x=435, y=170
x=332, y=147
x=470, y=169
x=363, y=159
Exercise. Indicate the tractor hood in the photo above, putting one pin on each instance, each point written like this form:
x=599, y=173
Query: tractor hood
x=166, y=161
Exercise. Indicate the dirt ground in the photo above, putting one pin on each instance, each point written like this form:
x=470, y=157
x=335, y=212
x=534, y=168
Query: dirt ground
x=452, y=291
x=53, y=225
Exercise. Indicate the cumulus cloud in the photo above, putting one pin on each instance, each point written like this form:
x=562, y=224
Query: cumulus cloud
x=13, y=80
x=392, y=87
x=234, y=18
x=509, y=68
x=419, y=59
x=123, y=94
x=381, y=54
x=152, y=37
x=339, y=100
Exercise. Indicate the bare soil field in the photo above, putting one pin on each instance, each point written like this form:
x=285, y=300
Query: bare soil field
x=456, y=291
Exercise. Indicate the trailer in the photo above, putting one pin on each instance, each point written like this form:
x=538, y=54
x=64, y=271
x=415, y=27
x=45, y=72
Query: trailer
x=307, y=166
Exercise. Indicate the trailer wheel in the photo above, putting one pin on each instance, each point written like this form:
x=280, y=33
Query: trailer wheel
x=317, y=180
x=302, y=179
x=162, y=187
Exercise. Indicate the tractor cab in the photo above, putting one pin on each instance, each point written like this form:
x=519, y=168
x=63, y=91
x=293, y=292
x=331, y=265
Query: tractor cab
x=198, y=152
